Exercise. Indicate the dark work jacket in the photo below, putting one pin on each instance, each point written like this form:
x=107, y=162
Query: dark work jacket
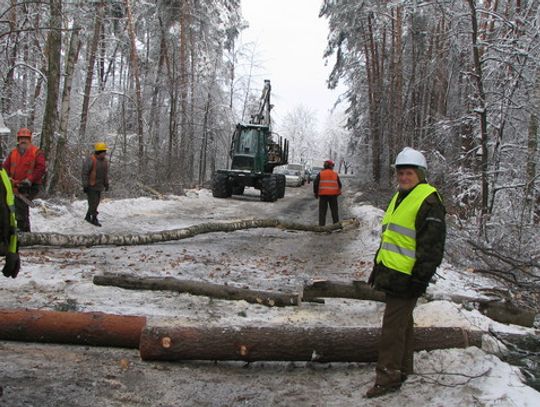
x=102, y=178
x=430, y=238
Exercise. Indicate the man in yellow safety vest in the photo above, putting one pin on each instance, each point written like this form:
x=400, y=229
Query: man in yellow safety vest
x=8, y=227
x=411, y=249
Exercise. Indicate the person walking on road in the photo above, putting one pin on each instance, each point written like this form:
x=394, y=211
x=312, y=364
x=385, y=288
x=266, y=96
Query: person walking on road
x=411, y=249
x=327, y=188
x=95, y=180
x=26, y=166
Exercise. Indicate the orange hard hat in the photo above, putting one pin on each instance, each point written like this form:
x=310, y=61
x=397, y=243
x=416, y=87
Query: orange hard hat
x=24, y=132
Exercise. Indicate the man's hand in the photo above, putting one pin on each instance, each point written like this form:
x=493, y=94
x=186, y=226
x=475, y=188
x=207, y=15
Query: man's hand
x=106, y=187
x=371, y=279
x=85, y=190
x=25, y=182
x=316, y=196
x=417, y=287
x=12, y=266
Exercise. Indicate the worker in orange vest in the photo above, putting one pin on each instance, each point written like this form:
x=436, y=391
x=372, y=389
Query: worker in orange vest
x=95, y=180
x=327, y=188
x=26, y=167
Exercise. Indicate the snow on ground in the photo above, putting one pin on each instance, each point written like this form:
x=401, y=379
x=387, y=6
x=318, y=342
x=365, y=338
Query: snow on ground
x=444, y=377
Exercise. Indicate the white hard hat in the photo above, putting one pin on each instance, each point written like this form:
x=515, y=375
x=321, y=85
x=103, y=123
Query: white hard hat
x=410, y=156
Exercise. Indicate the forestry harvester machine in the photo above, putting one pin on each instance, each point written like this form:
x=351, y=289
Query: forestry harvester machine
x=254, y=155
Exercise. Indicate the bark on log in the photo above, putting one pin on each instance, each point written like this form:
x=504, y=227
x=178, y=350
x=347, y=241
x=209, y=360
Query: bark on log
x=501, y=311
x=284, y=343
x=78, y=328
x=358, y=290
x=63, y=240
x=269, y=298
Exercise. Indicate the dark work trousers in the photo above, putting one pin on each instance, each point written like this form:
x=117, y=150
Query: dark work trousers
x=22, y=210
x=324, y=202
x=94, y=197
x=396, y=346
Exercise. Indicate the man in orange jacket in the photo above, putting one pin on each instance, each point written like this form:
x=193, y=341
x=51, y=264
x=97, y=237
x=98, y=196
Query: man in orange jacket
x=327, y=188
x=26, y=167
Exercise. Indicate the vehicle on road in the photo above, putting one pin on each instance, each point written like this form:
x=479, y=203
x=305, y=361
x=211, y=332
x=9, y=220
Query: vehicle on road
x=297, y=170
x=314, y=172
x=293, y=178
x=254, y=154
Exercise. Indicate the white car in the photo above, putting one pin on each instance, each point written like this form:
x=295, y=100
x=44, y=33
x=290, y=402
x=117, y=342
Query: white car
x=293, y=178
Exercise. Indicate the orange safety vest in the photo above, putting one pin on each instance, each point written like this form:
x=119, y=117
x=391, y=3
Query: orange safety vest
x=22, y=166
x=328, y=183
x=93, y=171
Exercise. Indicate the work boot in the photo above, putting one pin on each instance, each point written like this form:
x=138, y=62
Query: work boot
x=380, y=390
x=95, y=221
x=88, y=218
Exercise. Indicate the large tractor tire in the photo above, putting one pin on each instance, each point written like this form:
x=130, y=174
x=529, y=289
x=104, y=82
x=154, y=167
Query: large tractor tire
x=269, y=191
x=221, y=187
x=238, y=189
x=280, y=180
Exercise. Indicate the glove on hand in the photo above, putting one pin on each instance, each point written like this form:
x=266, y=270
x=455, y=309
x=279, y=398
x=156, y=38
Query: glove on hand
x=316, y=196
x=12, y=266
x=106, y=187
x=26, y=182
x=85, y=190
x=417, y=288
x=371, y=279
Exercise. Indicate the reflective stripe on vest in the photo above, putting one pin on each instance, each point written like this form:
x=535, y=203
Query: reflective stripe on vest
x=10, y=200
x=398, y=242
x=328, y=183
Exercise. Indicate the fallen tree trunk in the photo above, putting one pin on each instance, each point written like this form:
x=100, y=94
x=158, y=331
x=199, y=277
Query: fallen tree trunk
x=357, y=290
x=78, y=328
x=226, y=292
x=62, y=240
x=286, y=343
x=501, y=311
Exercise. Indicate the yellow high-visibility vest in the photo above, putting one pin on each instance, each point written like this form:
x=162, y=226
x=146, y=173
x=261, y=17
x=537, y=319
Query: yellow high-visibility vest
x=398, y=241
x=10, y=200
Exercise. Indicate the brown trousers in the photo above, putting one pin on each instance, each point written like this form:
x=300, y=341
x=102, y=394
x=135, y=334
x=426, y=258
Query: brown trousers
x=396, y=346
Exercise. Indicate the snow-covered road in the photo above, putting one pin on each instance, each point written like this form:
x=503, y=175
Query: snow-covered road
x=271, y=259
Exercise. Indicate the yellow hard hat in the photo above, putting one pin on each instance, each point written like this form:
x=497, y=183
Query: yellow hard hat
x=100, y=146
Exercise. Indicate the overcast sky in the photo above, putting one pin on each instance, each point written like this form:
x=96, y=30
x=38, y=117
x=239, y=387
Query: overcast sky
x=290, y=40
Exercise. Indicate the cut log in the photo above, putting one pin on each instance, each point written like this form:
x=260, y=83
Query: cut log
x=62, y=240
x=226, y=292
x=358, y=290
x=284, y=343
x=78, y=328
x=507, y=313
x=500, y=310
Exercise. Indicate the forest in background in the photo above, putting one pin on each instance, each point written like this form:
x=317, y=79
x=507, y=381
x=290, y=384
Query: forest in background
x=155, y=80
x=159, y=82
x=459, y=80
